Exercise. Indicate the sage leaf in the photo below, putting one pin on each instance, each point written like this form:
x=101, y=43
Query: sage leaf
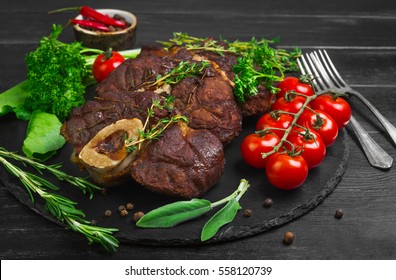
x=174, y=213
x=224, y=216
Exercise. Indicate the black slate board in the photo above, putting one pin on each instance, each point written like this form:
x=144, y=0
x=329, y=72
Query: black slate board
x=287, y=205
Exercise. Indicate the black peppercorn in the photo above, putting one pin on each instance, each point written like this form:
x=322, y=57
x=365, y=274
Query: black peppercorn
x=107, y=213
x=288, y=237
x=338, y=214
x=124, y=213
x=268, y=202
x=130, y=206
x=248, y=213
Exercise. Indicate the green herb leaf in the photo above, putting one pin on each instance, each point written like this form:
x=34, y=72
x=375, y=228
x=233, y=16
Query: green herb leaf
x=258, y=63
x=224, y=216
x=177, y=212
x=174, y=213
x=12, y=100
x=183, y=70
x=43, y=138
x=59, y=206
x=56, y=73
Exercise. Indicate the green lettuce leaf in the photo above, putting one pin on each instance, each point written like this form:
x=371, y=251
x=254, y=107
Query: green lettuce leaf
x=43, y=137
x=13, y=100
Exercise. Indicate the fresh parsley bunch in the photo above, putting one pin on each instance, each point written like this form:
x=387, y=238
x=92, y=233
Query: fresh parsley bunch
x=257, y=66
x=57, y=73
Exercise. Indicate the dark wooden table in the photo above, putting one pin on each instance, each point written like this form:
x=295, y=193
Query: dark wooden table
x=360, y=37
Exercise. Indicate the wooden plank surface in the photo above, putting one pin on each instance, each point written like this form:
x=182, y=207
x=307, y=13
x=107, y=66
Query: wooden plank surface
x=360, y=38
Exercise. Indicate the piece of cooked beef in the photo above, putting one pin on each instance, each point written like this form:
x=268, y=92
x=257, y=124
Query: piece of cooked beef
x=258, y=104
x=86, y=121
x=225, y=62
x=209, y=103
x=135, y=74
x=184, y=162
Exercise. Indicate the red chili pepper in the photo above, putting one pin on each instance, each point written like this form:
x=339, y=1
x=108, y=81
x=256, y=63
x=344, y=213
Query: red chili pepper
x=92, y=24
x=93, y=14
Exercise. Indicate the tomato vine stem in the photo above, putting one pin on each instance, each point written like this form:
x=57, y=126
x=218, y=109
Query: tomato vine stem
x=292, y=125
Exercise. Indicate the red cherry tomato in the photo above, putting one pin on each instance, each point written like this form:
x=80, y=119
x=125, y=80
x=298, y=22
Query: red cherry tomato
x=312, y=145
x=278, y=121
x=105, y=63
x=254, y=145
x=286, y=172
x=338, y=108
x=321, y=123
x=293, y=83
x=292, y=106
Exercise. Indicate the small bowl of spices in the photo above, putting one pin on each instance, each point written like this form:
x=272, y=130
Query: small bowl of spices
x=105, y=28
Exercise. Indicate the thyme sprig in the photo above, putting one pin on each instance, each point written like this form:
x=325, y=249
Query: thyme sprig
x=183, y=70
x=258, y=63
x=61, y=207
x=195, y=43
x=157, y=130
x=82, y=184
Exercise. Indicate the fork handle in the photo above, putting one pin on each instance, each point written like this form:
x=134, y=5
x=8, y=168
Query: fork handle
x=376, y=156
x=385, y=123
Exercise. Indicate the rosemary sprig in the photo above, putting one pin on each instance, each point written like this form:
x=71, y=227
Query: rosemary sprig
x=84, y=185
x=62, y=208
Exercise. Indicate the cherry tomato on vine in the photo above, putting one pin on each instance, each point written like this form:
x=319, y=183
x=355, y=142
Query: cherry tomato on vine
x=338, y=108
x=253, y=145
x=274, y=120
x=312, y=145
x=105, y=63
x=293, y=105
x=294, y=83
x=286, y=172
x=321, y=123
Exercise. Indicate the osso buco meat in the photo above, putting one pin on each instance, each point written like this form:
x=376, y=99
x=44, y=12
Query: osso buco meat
x=188, y=158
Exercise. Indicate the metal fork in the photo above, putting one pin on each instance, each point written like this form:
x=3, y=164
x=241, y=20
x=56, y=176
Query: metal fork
x=327, y=78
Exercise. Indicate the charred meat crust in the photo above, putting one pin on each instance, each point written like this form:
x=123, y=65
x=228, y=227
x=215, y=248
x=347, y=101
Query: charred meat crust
x=209, y=104
x=184, y=162
x=107, y=108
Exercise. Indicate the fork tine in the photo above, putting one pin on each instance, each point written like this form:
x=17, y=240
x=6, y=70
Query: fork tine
x=326, y=69
x=321, y=70
x=305, y=68
x=332, y=69
x=301, y=67
x=318, y=75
